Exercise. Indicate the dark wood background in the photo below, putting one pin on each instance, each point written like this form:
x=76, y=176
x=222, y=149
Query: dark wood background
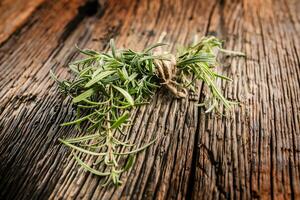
x=253, y=153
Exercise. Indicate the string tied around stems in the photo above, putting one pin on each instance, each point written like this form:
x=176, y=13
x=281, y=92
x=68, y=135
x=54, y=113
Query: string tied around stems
x=167, y=72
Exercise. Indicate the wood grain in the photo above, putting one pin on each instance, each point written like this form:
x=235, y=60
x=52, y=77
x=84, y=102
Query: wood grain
x=14, y=14
x=254, y=152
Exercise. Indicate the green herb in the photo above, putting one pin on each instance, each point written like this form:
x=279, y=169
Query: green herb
x=107, y=86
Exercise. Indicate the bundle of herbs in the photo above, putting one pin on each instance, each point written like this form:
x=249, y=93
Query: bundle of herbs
x=107, y=86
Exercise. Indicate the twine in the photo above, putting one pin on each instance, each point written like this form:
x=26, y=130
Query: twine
x=167, y=71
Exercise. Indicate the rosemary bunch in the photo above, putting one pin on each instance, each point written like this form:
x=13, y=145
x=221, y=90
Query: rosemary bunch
x=108, y=85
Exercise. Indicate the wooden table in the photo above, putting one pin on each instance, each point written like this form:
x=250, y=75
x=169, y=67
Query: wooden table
x=252, y=153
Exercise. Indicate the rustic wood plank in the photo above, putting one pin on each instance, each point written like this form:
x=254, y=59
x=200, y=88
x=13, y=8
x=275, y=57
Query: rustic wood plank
x=255, y=152
x=26, y=120
x=157, y=119
x=252, y=153
x=14, y=14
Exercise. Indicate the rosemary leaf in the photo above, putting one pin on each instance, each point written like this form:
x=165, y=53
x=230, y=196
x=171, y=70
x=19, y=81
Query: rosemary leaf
x=83, y=95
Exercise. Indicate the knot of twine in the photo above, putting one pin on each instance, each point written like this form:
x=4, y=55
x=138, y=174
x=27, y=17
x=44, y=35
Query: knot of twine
x=167, y=71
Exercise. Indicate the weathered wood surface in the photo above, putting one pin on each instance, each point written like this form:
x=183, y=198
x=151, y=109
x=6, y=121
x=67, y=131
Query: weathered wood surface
x=253, y=153
x=14, y=14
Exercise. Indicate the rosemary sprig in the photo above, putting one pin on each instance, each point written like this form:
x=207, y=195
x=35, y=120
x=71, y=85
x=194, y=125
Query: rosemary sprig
x=200, y=61
x=108, y=85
